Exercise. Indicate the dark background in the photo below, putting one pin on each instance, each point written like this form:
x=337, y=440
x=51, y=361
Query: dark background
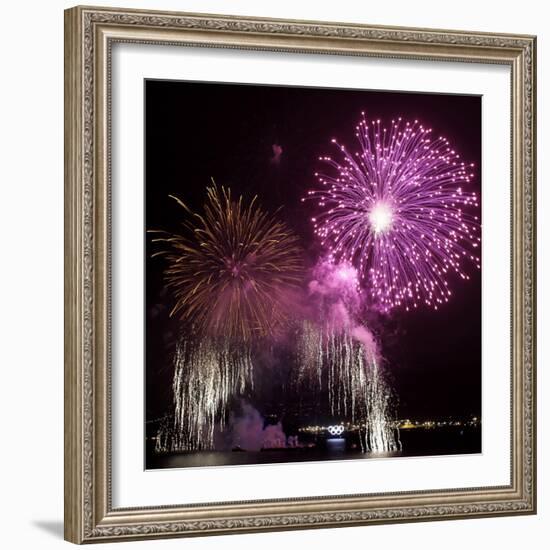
x=198, y=131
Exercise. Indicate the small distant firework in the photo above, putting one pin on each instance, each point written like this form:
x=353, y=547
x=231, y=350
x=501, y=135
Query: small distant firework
x=234, y=272
x=277, y=153
x=399, y=211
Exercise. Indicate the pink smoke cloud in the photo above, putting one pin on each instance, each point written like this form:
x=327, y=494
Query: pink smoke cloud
x=248, y=431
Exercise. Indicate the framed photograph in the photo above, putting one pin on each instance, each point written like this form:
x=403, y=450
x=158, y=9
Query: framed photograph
x=300, y=274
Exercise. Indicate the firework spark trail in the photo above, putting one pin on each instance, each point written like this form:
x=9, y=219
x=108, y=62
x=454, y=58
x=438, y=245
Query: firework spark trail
x=332, y=358
x=207, y=377
x=338, y=355
x=398, y=210
x=234, y=272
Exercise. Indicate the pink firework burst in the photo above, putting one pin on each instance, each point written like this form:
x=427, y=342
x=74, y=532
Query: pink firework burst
x=399, y=210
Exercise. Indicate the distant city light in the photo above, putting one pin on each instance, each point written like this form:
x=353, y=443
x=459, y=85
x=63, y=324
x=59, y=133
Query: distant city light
x=402, y=424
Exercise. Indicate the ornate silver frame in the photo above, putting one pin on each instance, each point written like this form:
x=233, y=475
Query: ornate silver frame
x=89, y=35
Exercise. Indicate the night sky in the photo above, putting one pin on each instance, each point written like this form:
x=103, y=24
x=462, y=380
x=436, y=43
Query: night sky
x=198, y=131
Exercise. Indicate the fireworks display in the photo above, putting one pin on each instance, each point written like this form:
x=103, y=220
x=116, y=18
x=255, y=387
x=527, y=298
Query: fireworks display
x=333, y=360
x=338, y=355
x=233, y=275
x=234, y=271
x=394, y=222
x=206, y=378
x=400, y=211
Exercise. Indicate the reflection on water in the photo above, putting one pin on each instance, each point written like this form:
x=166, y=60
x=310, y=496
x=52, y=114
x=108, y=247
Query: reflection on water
x=417, y=442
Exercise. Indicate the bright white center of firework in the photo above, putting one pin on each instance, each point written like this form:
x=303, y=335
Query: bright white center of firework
x=381, y=217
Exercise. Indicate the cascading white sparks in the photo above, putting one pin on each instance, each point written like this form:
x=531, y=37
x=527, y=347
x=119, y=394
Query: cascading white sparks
x=207, y=376
x=234, y=272
x=380, y=433
x=333, y=359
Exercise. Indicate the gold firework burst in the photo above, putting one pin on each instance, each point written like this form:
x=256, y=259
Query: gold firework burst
x=235, y=270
